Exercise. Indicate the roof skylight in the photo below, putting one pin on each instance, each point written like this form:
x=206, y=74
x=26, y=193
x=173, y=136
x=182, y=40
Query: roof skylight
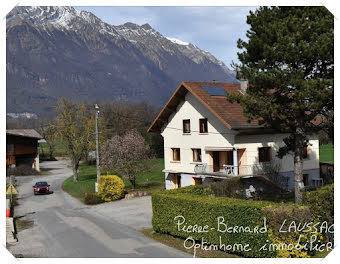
x=214, y=90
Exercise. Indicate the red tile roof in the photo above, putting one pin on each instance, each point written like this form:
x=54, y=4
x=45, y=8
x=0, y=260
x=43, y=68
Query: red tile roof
x=31, y=133
x=231, y=115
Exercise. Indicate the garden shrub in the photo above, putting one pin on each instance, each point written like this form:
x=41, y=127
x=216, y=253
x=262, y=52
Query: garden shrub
x=233, y=187
x=21, y=170
x=92, y=198
x=110, y=187
x=262, y=189
x=321, y=204
x=279, y=214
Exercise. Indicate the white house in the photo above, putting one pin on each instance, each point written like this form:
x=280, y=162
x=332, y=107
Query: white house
x=207, y=138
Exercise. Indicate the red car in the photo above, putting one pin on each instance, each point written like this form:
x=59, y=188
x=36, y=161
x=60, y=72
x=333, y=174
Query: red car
x=41, y=187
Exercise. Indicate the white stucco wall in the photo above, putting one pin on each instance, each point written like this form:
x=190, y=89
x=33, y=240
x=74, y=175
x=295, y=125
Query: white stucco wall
x=218, y=135
x=275, y=141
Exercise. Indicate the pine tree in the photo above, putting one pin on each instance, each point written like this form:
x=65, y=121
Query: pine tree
x=289, y=63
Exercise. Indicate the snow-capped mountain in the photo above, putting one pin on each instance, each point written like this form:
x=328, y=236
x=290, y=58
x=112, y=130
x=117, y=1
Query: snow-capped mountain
x=60, y=51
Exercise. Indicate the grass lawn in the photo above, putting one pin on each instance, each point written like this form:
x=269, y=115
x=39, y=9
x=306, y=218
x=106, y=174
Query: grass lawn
x=152, y=180
x=60, y=150
x=149, y=181
x=86, y=179
x=327, y=153
x=177, y=242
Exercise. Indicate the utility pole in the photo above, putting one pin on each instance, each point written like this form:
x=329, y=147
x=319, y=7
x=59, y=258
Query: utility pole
x=97, y=146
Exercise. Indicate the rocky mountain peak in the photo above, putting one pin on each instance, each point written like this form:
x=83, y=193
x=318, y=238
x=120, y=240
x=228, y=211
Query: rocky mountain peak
x=39, y=16
x=146, y=26
x=60, y=51
x=130, y=25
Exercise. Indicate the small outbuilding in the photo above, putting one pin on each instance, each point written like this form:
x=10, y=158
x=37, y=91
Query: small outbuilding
x=22, y=148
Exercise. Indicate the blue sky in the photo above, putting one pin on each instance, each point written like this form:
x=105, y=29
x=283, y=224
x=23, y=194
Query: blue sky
x=214, y=29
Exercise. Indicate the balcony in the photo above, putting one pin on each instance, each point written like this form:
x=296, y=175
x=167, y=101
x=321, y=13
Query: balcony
x=231, y=170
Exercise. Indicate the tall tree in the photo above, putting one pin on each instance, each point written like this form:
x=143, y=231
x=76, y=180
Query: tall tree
x=75, y=125
x=289, y=62
x=48, y=131
x=119, y=117
x=126, y=155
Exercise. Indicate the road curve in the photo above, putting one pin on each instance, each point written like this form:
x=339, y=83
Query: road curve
x=64, y=227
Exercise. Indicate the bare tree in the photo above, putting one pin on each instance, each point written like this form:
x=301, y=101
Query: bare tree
x=125, y=155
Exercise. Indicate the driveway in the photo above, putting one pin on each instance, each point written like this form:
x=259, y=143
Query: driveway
x=64, y=227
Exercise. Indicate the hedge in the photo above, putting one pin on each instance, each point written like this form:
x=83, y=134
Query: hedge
x=199, y=207
x=204, y=210
x=321, y=204
x=192, y=189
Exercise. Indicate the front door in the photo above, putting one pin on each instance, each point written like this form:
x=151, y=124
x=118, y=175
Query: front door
x=175, y=181
x=216, y=161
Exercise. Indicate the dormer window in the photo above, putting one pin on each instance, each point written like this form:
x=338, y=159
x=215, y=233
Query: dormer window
x=203, y=125
x=186, y=126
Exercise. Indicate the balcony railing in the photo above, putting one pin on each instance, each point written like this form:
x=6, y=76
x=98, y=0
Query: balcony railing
x=231, y=170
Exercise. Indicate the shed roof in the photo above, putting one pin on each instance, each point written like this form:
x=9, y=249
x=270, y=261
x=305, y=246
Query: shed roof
x=230, y=114
x=30, y=133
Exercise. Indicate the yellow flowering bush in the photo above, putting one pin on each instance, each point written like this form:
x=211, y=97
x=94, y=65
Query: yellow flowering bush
x=280, y=217
x=283, y=242
x=110, y=187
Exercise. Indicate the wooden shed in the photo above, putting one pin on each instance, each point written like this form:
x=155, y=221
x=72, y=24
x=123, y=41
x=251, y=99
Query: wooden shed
x=22, y=147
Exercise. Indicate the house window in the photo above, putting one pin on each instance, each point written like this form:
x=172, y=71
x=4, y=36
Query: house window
x=306, y=179
x=186, y=126
x=264, y=154
x=196, y=155
x=305, y=153
x=203, y=125
x=176, y=154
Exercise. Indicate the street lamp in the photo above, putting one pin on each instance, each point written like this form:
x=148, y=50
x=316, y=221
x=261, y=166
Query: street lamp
x=97, y=146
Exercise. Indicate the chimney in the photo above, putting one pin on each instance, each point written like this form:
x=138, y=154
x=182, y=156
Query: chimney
x=243, y=86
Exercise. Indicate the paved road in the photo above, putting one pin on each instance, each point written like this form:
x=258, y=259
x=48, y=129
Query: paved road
x=64, y=227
